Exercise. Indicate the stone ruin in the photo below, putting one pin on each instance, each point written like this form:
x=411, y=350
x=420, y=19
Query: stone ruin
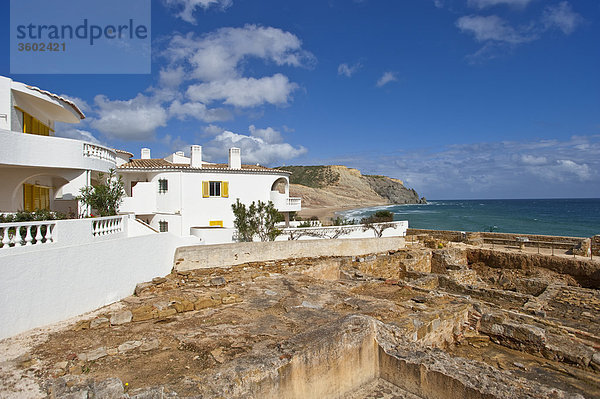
x=427, y=321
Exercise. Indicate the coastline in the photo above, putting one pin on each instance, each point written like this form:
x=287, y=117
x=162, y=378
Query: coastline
x=325, y=214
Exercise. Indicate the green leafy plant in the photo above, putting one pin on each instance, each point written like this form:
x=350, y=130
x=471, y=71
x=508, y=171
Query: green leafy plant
x=257, y=219
x=106, y=196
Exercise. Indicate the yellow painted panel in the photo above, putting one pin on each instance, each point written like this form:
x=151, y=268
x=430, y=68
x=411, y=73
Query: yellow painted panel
x=225, y=189
x=28, y=197
x=205, y=189
x=216, y=223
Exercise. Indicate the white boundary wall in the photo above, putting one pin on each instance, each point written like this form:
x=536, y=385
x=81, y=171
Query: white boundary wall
x=223, y=255
x=49, y=283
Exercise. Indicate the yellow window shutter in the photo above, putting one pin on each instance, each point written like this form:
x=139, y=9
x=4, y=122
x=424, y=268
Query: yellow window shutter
x=215, y=223
x=225, y=189
x=36, y=197
x=205, y=189
x=27, y=197
x=45, y=198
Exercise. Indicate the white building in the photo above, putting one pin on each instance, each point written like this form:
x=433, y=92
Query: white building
x=186, y=195
x=38, y=170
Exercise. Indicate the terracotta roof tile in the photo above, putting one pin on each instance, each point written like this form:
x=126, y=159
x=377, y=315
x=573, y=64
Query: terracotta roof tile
x=163, y=164
x=71, y=103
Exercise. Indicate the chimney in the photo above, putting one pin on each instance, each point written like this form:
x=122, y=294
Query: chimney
x=196, y=155
x=145, y=153
x=235, y=158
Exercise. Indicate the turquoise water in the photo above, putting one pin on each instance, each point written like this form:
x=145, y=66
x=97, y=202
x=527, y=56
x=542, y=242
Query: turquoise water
x=564, y=217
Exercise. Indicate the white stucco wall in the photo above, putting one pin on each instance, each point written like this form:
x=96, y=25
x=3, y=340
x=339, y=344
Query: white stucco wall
x=183, y=204
x=46, y=285
x=46, y=151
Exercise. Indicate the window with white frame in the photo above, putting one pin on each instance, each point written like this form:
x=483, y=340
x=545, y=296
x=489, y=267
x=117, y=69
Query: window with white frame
x=215, y=188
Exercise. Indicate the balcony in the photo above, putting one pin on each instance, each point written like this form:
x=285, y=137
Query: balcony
x=22, y=149
x=284, y=203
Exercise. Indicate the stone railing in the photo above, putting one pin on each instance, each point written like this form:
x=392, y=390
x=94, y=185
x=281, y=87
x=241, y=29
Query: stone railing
x=20, y=234
x=107, y=225
x=99, y=152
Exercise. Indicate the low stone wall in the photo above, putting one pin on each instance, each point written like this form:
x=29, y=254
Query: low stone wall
x=203, y=256
x=586, y=272
x=535, y=240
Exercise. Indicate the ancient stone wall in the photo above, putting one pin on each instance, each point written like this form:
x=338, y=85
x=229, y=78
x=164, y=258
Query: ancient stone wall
x=586, y=272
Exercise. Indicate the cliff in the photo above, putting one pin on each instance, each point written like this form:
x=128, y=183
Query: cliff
x=341, y=187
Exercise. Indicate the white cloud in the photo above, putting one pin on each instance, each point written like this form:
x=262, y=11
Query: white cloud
x=491, y=28
x=262, y=146
x=186, y=8
x=81, y=104
x=219, y=54
x=490, y=3
x=526, y=169
x=213, y=130
x=528, y=159
x=348, y=70
x=245, y=92
x=561, y=16
x=135, y=119
x=199, y=111
x=77, y=134
x=171, y=77
x=386, y=78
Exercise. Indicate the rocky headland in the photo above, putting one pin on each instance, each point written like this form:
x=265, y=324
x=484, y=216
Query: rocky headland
x=325, y=189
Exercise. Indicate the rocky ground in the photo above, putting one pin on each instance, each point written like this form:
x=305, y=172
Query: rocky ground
x=454, y=328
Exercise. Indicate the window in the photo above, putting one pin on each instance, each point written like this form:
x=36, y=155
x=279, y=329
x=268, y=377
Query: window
x=34, y=126
x=163, y=186
x=163, y=226
x=215, y=189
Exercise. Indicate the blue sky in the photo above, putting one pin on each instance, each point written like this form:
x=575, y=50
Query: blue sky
x=458, y=98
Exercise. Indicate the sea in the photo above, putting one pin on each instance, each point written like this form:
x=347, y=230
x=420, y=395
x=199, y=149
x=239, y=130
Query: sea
x=561, y=217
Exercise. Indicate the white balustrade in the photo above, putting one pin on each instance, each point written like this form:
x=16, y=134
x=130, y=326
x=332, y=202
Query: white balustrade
x=20, y=234
x=107, y=225
x=99, y=152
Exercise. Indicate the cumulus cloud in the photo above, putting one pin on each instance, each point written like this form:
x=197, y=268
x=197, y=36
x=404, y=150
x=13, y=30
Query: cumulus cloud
x=491, y=3
x=198, y=111
x=264, y=146
x=561, y=16
x=491, y=28
x=386, y=78
x=348, y=69
x=185, y=8
x=219, y=54
x=134, y=119
x=245, y=92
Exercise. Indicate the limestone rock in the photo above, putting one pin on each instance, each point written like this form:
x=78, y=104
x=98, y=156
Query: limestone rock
x=150, y=344
x=218, y=281
x=99, y=322
x=145, y=312
x=206, y=302
x=122, y=317
x=111, y=388
x=129, y=345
